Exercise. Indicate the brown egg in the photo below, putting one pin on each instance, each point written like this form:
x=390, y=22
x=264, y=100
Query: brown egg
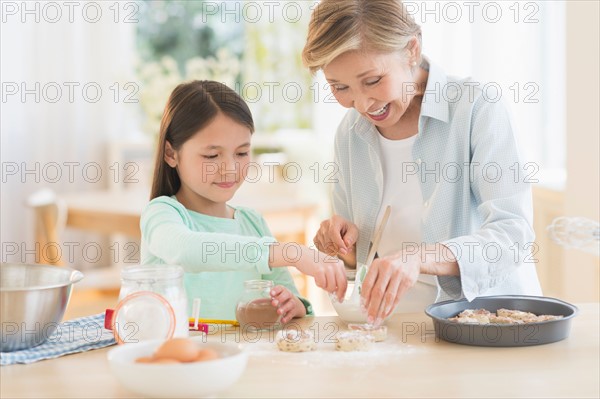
x=165, y=361
x=144, y=360
x=206, y=354
x=180, y=349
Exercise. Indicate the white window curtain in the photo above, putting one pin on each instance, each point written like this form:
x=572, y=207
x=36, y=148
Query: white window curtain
x=65, y=69
x=516, y=46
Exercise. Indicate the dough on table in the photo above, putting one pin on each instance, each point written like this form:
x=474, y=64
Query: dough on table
x=378, y=333
x=295, y=341
x=353, y=341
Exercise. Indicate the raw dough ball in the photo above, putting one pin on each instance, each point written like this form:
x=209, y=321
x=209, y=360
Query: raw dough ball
x=353, y=341
x=378, y=333
x=295, y=341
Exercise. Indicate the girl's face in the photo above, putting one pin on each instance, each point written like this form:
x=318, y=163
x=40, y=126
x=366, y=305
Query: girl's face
x=379, y=86
x=212, y=164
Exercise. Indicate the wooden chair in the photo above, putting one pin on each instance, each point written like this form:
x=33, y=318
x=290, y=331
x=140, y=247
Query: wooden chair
x=99, y=287
x=50, y=219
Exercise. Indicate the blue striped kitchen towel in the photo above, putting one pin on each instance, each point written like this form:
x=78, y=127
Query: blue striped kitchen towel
x=72, y=336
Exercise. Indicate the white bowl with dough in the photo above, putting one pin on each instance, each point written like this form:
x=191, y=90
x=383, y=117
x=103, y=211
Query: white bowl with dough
x=182, y=380
x=349, y=310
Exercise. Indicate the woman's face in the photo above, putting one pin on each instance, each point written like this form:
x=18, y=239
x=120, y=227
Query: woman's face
x=379, y=86
x=213, y=163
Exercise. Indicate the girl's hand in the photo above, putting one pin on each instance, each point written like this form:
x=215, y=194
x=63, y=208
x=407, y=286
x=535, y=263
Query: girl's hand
x=385, y=283
x=337, y=237
x=329, y=272
x=287, y=304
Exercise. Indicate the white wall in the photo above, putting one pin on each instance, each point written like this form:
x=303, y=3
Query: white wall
x=583, y=145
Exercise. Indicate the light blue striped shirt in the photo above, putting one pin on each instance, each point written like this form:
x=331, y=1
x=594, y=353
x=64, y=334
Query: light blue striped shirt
x=476, y=198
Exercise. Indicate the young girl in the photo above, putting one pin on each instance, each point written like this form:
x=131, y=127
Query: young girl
x=202, y=159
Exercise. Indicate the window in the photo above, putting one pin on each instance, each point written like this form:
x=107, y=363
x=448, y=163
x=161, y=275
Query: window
x=516, y=46
x=183, y=30
x=264, y=39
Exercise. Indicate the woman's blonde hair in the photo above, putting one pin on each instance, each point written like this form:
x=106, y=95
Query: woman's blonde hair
x=338, y=26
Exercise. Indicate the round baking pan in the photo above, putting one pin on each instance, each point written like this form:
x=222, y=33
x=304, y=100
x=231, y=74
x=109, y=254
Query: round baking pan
x=503, y=334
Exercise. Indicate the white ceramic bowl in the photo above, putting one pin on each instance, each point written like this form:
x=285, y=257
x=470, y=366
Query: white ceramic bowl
x=185, y=380
x=349, y=310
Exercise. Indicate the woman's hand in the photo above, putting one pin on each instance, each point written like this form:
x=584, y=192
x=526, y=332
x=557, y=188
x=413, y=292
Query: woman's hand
x=390, y=277
x=385, y=283
x=337, y=237
x=287, y=304
x=329, y=272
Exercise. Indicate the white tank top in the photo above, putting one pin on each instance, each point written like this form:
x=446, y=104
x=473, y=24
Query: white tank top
x=402, y=191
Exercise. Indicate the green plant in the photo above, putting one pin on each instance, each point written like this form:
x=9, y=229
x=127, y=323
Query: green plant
x=184, y=30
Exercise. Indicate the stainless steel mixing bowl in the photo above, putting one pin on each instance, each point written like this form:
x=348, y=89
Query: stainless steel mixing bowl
x=33, y=299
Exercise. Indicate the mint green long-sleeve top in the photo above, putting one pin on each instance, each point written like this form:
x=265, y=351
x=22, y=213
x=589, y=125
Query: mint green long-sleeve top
x=217, y=254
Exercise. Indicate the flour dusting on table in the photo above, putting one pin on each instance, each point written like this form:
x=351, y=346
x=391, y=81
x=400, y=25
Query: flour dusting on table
x=326, y=356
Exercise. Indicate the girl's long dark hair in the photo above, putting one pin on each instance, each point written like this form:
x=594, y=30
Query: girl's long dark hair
x=191, y=107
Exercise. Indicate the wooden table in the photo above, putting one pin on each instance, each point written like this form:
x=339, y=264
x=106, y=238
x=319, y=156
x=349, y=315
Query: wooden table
x=411, y=363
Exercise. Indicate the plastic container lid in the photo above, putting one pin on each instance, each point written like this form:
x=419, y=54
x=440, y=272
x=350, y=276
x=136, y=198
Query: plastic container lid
x=141, y=316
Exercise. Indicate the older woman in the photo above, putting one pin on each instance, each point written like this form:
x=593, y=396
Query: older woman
x=434, y=148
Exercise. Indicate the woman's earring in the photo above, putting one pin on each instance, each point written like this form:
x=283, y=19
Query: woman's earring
x=414, y=63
